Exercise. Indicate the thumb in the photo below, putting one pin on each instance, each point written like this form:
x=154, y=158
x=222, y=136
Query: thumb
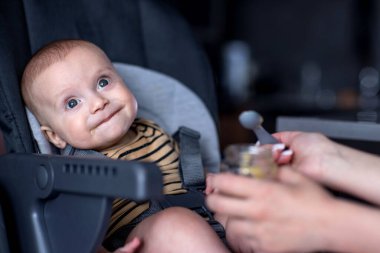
x=287, y=175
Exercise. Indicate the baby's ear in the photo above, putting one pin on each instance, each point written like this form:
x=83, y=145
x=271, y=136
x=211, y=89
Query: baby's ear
x=53, y=137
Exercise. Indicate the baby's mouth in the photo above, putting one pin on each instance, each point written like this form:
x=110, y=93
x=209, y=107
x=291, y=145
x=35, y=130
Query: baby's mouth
x=107, y=118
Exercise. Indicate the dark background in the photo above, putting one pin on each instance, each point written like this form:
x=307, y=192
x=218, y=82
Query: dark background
x=289, y=57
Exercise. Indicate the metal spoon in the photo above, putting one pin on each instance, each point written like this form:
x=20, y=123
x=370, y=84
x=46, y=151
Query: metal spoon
x=252, y=120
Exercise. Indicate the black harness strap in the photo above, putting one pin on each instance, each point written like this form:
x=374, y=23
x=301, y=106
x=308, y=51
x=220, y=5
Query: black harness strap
x=192, y=172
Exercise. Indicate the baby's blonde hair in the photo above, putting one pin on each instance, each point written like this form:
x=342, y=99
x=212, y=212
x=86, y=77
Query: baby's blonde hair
x=46, y=56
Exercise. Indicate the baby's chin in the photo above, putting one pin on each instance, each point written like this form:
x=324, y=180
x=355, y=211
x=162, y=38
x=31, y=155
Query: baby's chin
x=111, y=139
x=97, y=142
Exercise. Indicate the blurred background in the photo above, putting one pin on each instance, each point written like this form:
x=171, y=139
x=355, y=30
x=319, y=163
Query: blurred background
x=289, y=57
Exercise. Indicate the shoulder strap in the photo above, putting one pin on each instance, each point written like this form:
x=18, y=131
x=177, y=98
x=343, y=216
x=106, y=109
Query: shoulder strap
x=191, y=166
x=69, y=150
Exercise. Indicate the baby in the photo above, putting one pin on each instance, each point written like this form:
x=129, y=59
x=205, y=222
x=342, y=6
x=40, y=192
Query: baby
x=80, y=100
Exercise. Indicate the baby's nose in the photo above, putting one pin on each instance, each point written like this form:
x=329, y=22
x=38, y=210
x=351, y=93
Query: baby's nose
x=99, y=102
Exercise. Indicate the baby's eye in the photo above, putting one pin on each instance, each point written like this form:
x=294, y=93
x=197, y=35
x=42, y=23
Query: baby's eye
x=103, y=82
x=72, y=103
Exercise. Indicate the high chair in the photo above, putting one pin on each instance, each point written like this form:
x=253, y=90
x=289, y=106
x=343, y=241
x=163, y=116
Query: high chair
x=56, y=203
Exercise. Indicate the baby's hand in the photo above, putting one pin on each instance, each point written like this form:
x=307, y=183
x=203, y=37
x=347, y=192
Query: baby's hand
x=130, y=247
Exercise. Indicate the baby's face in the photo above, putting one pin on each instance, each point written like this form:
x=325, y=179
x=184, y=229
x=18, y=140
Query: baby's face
x=84, y=101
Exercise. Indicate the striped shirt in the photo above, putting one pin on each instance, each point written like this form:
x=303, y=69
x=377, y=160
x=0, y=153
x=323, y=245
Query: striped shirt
x=151, y=144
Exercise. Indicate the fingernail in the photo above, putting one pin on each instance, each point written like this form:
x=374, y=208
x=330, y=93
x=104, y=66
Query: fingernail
x=278, y=146
x=257, y=143
x=287, y=152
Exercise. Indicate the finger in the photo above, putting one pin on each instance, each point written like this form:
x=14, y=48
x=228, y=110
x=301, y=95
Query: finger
x=277, y=149
x=225, y=205
x=285, y=157
x=287, y=175
x=234, y=185
x=230, y=184
x=286, y=137
x=209, y=189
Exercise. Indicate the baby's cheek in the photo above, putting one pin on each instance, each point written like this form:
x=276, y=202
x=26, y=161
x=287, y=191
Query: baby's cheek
x=78, y=134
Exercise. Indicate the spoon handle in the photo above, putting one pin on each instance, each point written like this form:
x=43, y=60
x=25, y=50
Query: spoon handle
x=264, y=137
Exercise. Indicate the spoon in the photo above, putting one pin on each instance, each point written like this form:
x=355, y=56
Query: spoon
x=252, y=120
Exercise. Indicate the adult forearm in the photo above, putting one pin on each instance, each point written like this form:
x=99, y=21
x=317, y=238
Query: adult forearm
x=354, y=172
x=352, y=228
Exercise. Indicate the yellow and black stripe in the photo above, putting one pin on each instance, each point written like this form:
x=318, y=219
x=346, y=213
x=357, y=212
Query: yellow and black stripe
x=151, y=144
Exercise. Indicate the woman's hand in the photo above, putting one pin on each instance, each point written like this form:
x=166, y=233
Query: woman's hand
x=334, y=165
x=314, y=155
x=270, y=216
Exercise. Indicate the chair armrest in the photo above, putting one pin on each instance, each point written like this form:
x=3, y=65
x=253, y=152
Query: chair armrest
x=62, y=204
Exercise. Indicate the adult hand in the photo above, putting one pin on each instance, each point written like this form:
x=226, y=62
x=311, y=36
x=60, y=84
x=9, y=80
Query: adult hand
x=272, y=216
x=313, y=154
x=334, y=165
